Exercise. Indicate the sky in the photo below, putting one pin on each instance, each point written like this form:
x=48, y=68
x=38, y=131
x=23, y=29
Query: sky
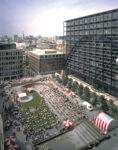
x=45, y=17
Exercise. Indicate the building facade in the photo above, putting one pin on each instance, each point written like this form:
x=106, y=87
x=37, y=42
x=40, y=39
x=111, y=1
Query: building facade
x=92, y=49
x=11, y=62
x=45, y=61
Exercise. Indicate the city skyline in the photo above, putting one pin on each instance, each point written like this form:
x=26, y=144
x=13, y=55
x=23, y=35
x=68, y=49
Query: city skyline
x=41, y=17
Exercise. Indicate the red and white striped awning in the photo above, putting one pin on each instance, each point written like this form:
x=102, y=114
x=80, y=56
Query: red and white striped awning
x=102, y=121
x=71, y=94
x=10, y=140
x=67, y=90
x=12, y=147
x=67, y=123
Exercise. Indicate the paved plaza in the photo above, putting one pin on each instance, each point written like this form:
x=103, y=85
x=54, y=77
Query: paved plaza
x=64, y=107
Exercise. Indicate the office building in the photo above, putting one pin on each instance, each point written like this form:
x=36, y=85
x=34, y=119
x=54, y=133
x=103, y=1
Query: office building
x=92, y=49
x=45, y=61
x=11, y=61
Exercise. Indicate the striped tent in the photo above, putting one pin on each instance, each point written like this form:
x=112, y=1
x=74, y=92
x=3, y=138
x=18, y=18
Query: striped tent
x=102, y=121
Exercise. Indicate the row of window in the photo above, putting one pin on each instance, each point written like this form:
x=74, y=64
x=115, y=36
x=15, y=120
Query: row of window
x=94, y=18
x=91, y=32
x=52, y=56
x=10, y=53
x=93, y=26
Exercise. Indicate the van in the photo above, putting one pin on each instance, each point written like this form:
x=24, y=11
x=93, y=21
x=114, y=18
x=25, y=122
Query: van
x=87, y=105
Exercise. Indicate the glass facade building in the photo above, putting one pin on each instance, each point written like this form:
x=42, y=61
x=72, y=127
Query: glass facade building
x=92, y=49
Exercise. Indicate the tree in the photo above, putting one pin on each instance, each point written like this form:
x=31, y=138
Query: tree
x=104, y=105
x=80, y=90
x=101, y=98
x=86, y=94
x=94, y=98
x=114, y=110
x=74, y=86
x=64, y=80
x=57, y=78
x=70, y=82
x=111, y=104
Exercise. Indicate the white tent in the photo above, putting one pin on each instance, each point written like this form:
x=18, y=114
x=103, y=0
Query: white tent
x=22, y=95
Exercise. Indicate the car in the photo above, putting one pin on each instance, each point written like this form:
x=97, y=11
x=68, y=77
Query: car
x=87, y=105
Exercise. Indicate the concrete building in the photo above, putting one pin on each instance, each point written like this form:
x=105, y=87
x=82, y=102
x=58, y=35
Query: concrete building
x=46, y=61
x=92, y=49
x=11, y=61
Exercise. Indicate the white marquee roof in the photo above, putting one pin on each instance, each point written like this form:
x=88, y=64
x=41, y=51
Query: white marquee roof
x=22, y=95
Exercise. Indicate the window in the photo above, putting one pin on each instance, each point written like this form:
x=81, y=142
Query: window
x=107, y=24
x=100, y=18
x=115, y=15
x=107, y=31
x=107, y=16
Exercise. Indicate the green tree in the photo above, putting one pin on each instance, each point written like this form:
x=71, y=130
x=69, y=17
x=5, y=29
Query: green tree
x=70, y=82
x=104, y=105
x=64, y=80
x=111, y=104
x=114, y=110
x=86, y=94
x=101, y=98
x=80, y=90
x=94, y=98
x=58, y=79
x=75, y=86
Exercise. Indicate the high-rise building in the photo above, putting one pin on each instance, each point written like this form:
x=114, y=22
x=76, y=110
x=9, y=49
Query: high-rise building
x=92, y=49
x=15, y=38
x=11, y=62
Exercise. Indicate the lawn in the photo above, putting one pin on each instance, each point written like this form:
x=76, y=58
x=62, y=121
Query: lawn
x=36, y=112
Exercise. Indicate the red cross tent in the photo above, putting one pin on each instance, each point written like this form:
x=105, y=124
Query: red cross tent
x=103, y=121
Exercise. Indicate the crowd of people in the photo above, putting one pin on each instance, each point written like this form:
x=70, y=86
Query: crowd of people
x=62, y=104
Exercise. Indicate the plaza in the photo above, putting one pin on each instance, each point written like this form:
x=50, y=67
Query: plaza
x=41, y=120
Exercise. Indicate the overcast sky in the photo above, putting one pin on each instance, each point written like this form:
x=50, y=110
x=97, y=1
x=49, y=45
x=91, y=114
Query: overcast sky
x=45, y=17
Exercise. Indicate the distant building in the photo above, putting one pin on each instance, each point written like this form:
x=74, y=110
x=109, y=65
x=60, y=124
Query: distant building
x=45, y=43
x=15, y=38
x=92, y=49
x=11, y=62
x=45, y=61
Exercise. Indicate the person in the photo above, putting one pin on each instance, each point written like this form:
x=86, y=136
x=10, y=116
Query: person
x=26, y=137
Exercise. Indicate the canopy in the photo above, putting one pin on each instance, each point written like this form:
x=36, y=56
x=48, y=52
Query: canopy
x=10, y=140
x=102, y=121
x=67, y=90
x=71, y=94
x=12, y=147
x=67, y=123
x=22, y=95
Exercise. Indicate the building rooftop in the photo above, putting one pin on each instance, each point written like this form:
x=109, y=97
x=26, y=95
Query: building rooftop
x=39, y=52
